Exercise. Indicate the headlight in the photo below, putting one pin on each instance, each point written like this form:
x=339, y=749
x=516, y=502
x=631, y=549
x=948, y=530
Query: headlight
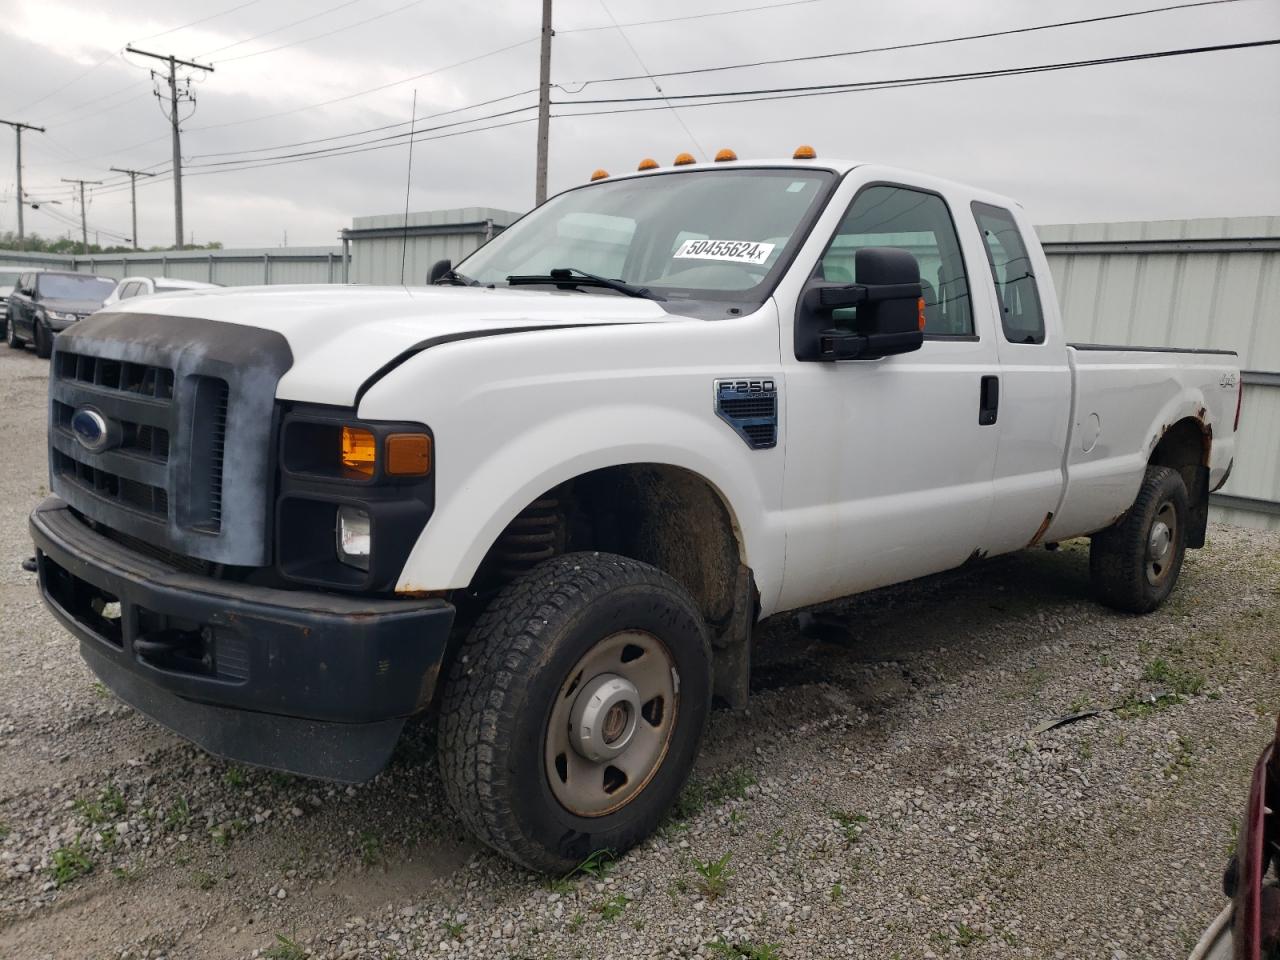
x=353, y=536
x=55, y=315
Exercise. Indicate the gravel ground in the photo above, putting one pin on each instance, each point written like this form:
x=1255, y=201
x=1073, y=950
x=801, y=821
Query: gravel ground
x=886, y=794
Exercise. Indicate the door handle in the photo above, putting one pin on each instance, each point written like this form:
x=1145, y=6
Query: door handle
x=988, y=401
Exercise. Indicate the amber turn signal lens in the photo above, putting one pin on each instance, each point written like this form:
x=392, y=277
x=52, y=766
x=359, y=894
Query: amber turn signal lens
x=359, y=450
x=920, y=308
x=408, y=455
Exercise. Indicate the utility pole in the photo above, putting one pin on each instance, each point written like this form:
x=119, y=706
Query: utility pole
x=18, y=128
x=84, y=225
x=174, y=63
x=544, y=104
x=133, y=197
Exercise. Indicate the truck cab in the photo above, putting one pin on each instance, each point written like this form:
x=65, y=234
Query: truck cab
x=549, y=495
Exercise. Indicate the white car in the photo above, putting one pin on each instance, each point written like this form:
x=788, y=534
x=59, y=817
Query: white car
x=551, y=499
x=131, y=287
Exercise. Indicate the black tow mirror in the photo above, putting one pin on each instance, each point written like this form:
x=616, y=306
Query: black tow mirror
x=438, y=270
x=887, y=312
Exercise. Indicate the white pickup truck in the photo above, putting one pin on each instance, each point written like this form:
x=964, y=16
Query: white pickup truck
x=549, y=495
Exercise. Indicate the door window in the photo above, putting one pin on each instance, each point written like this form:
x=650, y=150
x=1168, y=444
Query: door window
x=1014, y=278
x=920, y=223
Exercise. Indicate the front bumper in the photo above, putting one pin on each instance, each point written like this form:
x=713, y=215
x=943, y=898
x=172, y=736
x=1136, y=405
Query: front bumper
x=301, y=681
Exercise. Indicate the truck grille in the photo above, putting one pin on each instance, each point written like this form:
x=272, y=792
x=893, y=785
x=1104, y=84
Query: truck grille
x=182, y=399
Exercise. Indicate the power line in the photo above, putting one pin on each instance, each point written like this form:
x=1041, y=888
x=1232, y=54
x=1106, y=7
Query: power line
x=905, y=46
x=362, y=93
x=355, y=133
x=694, y=16
x=727, y=97
x=656, y=86
x=194, y=23
x=321, y=36
x=819, y=88
x=267, y=33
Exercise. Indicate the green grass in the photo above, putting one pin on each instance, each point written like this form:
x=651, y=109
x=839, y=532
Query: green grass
x=204, y=880
x=699, y=795
x=837, y=892
x=612, y=908
x=1183, y=682
x=453, y=928
x=370, y=849
x=69, y=863
x=715, y=875
x=235, y=777
x=109, y=803
x=285, y=949
x=850, y=823
x=5, y=830
x=597, y=866
x=178, y=815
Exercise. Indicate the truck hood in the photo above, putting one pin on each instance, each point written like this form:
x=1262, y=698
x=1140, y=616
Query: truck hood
x=343, y=337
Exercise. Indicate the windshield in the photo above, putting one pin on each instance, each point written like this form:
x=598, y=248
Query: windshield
x=703, y=234
x=9, y=278
x=62, y=286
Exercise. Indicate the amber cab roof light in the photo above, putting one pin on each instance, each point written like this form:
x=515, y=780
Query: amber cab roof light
x=684, y=159
x=725, y=154
x=648, y=163
x=805, y=152
x=599, y=175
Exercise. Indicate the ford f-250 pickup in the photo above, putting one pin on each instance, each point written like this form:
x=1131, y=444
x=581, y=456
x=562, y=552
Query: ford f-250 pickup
x=549, y=494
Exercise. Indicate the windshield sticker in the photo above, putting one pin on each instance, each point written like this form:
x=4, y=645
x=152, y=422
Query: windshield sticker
x=736, y=251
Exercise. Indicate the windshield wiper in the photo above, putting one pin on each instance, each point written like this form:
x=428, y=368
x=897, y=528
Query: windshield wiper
x=573, y=277
x=455, y=278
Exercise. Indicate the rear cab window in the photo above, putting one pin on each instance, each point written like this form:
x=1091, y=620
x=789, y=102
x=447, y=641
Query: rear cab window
x=887, y=215
x=1017, y=294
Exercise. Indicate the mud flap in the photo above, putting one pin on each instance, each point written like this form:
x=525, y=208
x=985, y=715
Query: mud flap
x=731, y=646
x=1198, y=514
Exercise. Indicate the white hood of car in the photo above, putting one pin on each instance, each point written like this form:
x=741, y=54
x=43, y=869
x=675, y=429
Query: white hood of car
x=342, y=335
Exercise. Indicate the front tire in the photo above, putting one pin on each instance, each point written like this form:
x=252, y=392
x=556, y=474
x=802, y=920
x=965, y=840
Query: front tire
x=11, y=334
x=1135, y=562
x=572, y=714
x=43, y=341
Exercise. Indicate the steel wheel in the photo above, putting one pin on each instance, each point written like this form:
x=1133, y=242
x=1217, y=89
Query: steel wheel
x=1160, y=543
x=611, y=723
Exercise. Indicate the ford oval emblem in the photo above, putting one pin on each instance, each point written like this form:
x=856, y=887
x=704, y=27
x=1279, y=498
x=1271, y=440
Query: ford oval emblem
x=90, y=429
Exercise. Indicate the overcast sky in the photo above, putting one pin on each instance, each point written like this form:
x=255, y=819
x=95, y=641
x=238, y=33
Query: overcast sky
x=1182, y=137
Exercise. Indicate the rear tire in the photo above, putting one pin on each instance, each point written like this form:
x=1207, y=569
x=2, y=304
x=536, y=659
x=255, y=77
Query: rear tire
x=11, y=334
x=43, y=341
x=1135, y=562
x=575, y=634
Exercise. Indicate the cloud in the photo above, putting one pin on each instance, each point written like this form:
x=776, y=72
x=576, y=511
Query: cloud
x=1174, y=138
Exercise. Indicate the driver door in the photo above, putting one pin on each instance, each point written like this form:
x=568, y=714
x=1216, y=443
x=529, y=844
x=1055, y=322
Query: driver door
x=889, y=462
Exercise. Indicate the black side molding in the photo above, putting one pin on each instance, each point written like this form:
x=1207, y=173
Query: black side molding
x=1114, y=346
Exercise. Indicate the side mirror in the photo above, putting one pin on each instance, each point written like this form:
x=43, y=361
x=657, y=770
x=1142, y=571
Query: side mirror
x=438, y=270
x=888, y=317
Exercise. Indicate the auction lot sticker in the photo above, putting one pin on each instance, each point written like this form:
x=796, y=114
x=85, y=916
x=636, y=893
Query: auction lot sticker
x=736, y=251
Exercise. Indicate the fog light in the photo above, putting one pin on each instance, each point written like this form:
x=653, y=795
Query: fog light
x=353, y=537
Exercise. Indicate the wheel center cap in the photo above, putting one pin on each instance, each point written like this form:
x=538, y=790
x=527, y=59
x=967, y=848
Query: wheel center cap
x=603, y=719
x=1158, y=542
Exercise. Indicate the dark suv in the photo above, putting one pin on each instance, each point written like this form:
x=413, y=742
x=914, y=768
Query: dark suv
x=44, y=302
